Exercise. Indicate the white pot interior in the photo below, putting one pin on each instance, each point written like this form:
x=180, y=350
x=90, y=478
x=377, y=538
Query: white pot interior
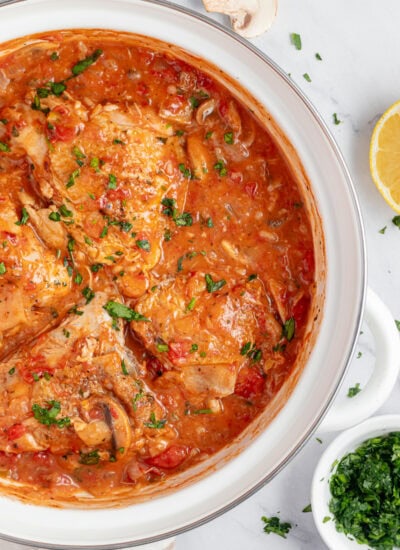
x=261, y=457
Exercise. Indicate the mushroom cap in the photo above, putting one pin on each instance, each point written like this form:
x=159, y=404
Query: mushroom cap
x=249, y=18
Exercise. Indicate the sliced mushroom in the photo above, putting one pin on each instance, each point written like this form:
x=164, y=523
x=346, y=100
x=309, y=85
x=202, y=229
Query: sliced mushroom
x=249, y=18
x=113, y=427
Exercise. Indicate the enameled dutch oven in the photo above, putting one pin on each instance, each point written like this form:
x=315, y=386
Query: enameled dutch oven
x=273, y=439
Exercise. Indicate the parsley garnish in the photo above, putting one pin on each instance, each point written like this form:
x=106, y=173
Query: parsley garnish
x=382, y=231
x=48, y=416
x=54, y=56
x=3, y=268
x=307, y=77
x=191, y=304
x=251, y=352
x=112, y=181
x=396, y=221
x=88, y=293
x=162, y=347
x=228, y=138
x=24, y=217
x=318, y=56
x=274, y=525
x=288, y=329
x=213, y=286
x=4, y=148
x=181, y=219
x=123, y=368
x=336, y=121
x=307, y=509
x=354, y=390
x=72, y=178
x=54, y=216
x=143, y=244
x=154, y=423
x=11, y=371
x=221, y=168
x=295, y=40
x=74, y=309
x=121, y=311
x=84, y=64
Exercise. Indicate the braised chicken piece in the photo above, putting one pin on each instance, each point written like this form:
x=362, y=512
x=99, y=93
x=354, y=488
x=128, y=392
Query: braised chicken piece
x=208, y=329
x=74, y=390
x=109, y=167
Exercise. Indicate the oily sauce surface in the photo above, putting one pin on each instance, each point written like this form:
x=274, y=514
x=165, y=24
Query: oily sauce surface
x=156, y=266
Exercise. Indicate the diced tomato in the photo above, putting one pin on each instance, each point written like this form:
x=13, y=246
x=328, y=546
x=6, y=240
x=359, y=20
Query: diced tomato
x=251, y=188
x=172, y=457
x=154, y=367
x=300, y=310
x=177, y=352
x=250, y=382
x=15, y=431
x=62, y=133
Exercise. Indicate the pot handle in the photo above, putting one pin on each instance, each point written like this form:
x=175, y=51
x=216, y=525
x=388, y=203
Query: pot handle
x=386, y=369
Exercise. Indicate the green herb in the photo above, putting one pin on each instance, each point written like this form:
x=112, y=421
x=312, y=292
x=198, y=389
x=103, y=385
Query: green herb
x=123, y=368
x=185, y=171
x=397, y=324
x=336, y=121
x=183, y=219
x=288, y=329
x=251, y=352
x=167, y=235
x=252, y=277
x=279, y=348
x=120, y=311
x=72, y=178
x=359, y=354
x=365, y=499
x=54, y=56
x=228, y=138
x=88, y=293
x=319, y=440
x=66, y=333
x=162, y=139
x=125, y=226
x=95, y=163
x=396, y=221
x=11, y=371
x=104, y=232
x=4, y=121
x=139, y=395
x=382, y=231
x=194, y=102
x=203, y=354
x=191, y=304
x=154, y=423
x=112, y=182
x=4, y=148
x=295, y=39
x=48, y=416
x=194, y=348
x=84, y=64
x=209, y=222
x=354, y=390
x=74, y=309
x=65, y=212
x=317, y=56
x=89, y=459
x=202, y=411
x=326, y=519
x=3, y=268
x=143, y=244
x=35, y=377
x=118, y=142
x=221, y=168
x=274, y=525
x=54, y=216
x=209, y=134
x=78, y=278
x=307, y=509
x=213, y=286
x=94, y=268
x=24, y=217
x=306, y=76
x=162, y=347
x=179, y=133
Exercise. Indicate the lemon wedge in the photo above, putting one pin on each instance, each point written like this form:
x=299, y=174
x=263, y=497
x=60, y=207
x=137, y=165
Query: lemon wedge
x=384, y=156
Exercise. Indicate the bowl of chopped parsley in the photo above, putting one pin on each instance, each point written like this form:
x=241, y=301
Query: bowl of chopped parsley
x=356, y=487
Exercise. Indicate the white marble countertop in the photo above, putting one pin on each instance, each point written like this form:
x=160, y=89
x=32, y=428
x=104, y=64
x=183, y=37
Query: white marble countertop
x=358, y=78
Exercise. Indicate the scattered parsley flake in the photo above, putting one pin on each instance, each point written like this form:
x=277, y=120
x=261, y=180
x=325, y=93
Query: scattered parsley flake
x=307, y=77
x=274, y=525
x=295, y=39
x=336, y=121
x=354, y=390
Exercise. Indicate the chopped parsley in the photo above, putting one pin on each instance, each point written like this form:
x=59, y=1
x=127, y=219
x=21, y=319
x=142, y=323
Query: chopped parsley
x=185, y=171
x=336, y=121
x=221, y=168
x=123, y=368
x=295, y=39
x=104, y=232
x=3, y=268
x=72, y=178
x=4, y=147
x=112, y=182
x=74, y=309
x=365, y=492
x=180, y=219
x=167, y=235
x=84, y=64
x=88, y=293
x=54, y=56
x=274, y=525
x=121, y=311
x=48, y=416
x=24, y=217
x=66, y=333
x=354, y=390
x=162, y=347
x=396, y=221
x=209, y=222
x=228, y=138
x=65, y=213
x=191, y=304
x=250, y=350
x=143, y=244
x=11, y=371
x=318, y=56
x=307, y=77
x=154, y=423
x=307, y=509
x=94, y=268
x=252, y=277
x=78, y=278
x=213, y=286
x=54, y=216
x=118, y=142
x=194, y=348
x=288, y=329
x=382, y=231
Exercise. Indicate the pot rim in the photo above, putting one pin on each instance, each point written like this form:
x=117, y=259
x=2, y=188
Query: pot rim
x=363, y=285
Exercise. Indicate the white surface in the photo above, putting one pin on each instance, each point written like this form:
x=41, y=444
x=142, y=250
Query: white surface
x=357, y=78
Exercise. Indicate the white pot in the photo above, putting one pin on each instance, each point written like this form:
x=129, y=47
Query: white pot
x=256, y=457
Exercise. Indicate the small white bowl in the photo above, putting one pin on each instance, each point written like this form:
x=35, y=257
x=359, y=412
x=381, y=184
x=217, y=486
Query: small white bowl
x=345, y=443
